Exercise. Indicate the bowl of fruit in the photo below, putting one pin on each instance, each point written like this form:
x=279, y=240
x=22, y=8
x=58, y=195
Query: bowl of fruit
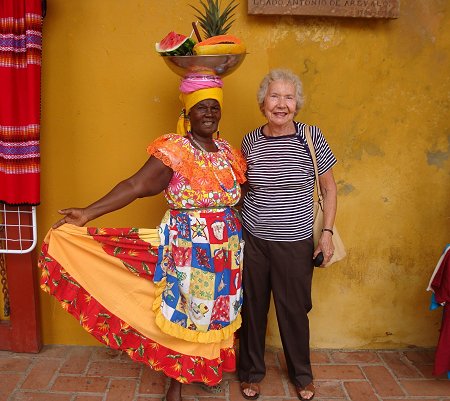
x=219, y=54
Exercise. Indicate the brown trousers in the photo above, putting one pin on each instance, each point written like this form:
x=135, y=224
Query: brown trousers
x=286, y=270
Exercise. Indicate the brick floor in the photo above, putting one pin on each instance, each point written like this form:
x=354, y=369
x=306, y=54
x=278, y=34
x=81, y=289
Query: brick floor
x=74, y=373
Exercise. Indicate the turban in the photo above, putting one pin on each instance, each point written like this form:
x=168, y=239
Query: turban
x=194, y=89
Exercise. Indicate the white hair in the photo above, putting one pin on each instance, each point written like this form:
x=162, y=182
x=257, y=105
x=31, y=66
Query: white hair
x=281, y=75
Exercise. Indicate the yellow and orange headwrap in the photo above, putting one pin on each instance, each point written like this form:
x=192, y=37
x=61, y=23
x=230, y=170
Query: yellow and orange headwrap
x=194, y=89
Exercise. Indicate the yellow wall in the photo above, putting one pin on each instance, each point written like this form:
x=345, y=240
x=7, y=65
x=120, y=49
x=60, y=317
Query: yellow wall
x=379, y=89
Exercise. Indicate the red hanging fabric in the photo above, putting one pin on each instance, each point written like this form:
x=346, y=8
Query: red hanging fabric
x=440, y=285
x=20, y=84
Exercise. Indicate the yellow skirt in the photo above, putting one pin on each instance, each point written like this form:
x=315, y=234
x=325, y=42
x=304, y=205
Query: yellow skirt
x=104, y=278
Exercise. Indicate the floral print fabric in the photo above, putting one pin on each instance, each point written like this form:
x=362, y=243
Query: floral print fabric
x=200, y=179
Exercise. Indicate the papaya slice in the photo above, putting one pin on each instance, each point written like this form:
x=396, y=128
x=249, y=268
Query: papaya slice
x=219, y=39
x=220, y=44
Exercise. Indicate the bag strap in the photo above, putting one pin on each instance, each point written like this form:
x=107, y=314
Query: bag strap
x=314, y=160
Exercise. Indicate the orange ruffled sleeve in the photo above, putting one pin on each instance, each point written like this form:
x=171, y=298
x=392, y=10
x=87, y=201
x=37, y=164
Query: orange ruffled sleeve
x=236, y=159
x=168, y=149
x=174, y=152
x=238, y=164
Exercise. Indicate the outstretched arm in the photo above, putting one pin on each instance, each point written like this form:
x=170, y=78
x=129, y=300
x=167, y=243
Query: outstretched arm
x=151, y=179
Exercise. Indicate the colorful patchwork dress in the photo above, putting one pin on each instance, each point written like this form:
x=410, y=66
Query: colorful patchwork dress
x=170, y=297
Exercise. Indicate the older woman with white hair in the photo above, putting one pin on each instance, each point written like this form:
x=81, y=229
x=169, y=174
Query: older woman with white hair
x=278, y=224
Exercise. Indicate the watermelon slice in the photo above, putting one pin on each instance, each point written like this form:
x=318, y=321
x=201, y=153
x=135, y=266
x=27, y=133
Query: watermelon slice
x=175, y=44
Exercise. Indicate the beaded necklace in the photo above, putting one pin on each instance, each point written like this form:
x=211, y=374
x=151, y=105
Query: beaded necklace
x=208, y=157
x=191, y=137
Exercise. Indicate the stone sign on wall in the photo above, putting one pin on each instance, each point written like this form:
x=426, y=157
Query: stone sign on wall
x=336, y=8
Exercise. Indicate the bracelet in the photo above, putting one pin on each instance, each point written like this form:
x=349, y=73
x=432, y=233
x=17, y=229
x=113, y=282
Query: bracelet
x=328, y=229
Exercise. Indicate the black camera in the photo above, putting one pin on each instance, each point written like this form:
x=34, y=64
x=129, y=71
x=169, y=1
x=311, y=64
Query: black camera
x=318, y=260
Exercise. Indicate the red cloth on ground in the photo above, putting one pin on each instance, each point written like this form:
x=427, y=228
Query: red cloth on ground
x=20, y=81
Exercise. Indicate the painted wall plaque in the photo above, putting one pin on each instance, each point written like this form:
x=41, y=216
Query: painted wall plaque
x=335, y=8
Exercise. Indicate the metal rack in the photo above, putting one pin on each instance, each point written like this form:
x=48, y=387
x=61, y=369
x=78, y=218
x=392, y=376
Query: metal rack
x=18, y=229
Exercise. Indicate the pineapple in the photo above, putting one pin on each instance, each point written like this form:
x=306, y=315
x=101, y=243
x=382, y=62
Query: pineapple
x=212, y=21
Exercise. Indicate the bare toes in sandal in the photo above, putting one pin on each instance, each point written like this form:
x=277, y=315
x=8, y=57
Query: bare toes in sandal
x=306, y=393
x=250, y=391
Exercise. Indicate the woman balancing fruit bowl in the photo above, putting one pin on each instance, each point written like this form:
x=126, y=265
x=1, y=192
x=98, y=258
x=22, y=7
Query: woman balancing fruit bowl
x=215, y=25
x=219, y=53
x=169, y=297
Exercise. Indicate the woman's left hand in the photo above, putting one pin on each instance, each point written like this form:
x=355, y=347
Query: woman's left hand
x=325, y=246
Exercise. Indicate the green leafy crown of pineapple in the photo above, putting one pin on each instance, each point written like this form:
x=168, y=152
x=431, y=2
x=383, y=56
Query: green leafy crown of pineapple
x=212, y=21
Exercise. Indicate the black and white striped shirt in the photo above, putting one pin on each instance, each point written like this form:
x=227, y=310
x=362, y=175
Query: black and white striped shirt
x=280, y=172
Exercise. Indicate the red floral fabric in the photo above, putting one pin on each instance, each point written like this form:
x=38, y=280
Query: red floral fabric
x=138, y=256
x=113, y=331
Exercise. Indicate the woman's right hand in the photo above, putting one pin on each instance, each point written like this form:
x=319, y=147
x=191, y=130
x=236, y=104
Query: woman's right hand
x=75, y=216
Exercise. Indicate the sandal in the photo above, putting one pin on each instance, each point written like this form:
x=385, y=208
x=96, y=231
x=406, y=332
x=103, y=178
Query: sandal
x=250, y=386
x=310, y=387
